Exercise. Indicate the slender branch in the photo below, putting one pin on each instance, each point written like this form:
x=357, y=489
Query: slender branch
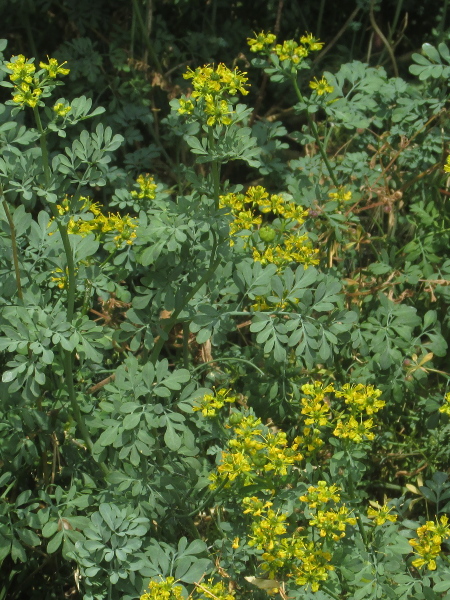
x=315, y=132
x=231, y=359
x=67, y=355
x=383, y=38
x=339, y=34
x=145, y=36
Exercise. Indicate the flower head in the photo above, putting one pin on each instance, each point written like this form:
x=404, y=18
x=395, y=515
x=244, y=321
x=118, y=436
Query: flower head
x=53, y=68
x=445, y=408
x=163, y=590
x=61, y=109
x=381, y=514
x=147, y=188
x=309, y=40
x=261, y=41
x=321, y=86
x=210, y=404
x=22, y=69
x=26, y=96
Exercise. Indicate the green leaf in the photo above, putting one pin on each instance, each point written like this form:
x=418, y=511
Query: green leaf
x=171, y=438
x=55, y=542
x=197, y=571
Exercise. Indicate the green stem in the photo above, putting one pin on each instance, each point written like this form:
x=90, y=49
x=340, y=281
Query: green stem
x=71, y=277
x=206, y=500
x=145, y=37
x=215, y=170
x=351, y=492
x=315, y=132
x=71, y=287
x=13, y=245
x=216, y=360
x=319, y=19
x=330, y=593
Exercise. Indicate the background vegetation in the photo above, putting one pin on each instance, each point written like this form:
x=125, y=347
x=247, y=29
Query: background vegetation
x=139, y=347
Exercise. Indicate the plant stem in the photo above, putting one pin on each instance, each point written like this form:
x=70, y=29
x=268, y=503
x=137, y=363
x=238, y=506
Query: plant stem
x=315, y=133
x=13, y=245
x=71, y=287
x=319, y=19
x=351, y=492
x=234, y=359
x=215, y=170
x=145, y=37
x=71, y=277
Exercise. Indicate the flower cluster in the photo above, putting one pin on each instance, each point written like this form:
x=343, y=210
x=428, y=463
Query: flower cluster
x=341, y=195
x=147, y=188
x=262, y=304
x=212, y=591
x=321, y=494
x=381, y=514
x=284, y=555
x=62, y=109
x=168, y=590
x=28, y=88
x=261, y=42
x=210, y=404
x=363, y=400
x=288, y=50
x=254, y=451
x=268, y=245
x=212, y=88
x=427, y=545
x=318, y=412
x=163, y=590
x=447, y=164
x=445, y=408
x=332, y=523
x=122, y=228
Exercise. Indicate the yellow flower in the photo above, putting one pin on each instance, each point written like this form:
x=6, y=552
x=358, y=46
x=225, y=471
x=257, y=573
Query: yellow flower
x=24, y=95
x=380, y=514
x=354, y=431
x=53, y=69
x=445, y=408
x=362, y=397
x=321, y=494
x=332, y=523
x=218, y=111
x=321, y=86
x=61, y=110
x=341, y=195
x=210, y=591
x=261, y=41
x=290, y=50
x=311, y=41
x=163, y=590
x=21, y=69
x=186, y=107
x=147, y=187
x=210, y=404
x=447, y=165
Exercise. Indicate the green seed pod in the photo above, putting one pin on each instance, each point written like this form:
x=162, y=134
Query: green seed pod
x=267, y=234
x=235, y=418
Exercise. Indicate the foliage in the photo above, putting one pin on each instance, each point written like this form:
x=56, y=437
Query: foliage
x=234, y=386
